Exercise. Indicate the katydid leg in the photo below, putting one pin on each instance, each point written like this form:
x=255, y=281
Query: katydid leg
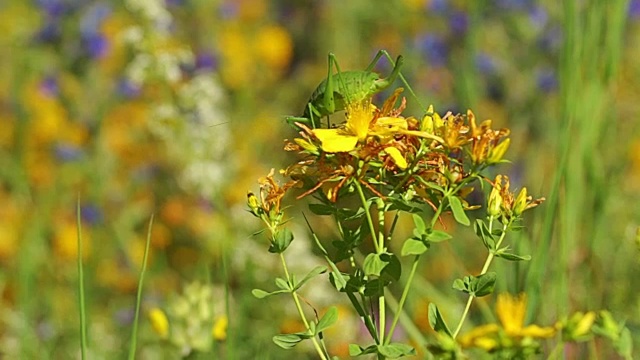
x=404, y=81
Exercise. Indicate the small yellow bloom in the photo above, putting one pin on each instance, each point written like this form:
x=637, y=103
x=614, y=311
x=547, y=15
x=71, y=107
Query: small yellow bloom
x=219, y=330
x=159, y=322
x=511, y=312
x=481, y=337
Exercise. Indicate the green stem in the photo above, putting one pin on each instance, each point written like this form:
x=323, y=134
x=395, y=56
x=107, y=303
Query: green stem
x=83, y=317
x=485, y=268
x=381, y=248
x=555, y=353
x=403, y=298
x=368, y=216
x=296, y=300
x=134, y=332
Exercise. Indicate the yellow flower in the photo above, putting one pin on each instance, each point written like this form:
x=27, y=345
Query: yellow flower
x=159, y=322
x=219, y=330
x=511, y=312
x=359, y=117
x=360, y=125
x=480, y=337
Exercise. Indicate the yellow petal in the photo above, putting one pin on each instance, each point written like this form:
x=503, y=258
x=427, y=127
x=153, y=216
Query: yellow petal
x=511, y=311
x=390, y=125
x=159, y=322
x=219, y=330
x=537, y=331
x=476, y=334
x=333, y=140
x=397, y=157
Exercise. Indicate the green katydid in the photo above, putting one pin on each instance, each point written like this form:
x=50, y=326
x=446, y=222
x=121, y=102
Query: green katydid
x=341, y=88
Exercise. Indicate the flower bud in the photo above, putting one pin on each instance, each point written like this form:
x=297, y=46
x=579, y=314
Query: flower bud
x=521, y=202
x=497, y=153
x=253, y=203
x=306, y=145
x=495, y=202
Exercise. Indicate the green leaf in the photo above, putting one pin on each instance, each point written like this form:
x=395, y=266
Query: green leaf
x=373, y=264
x=396, y=350
x=348, y=214
x=322, y=209
x=420, y=225
x=512, y=257
x=288, y=341
x=479, y=286
x=393, y=270
x=484, y=284
x=459, y=284
x=438, y=236
x=281, y=241
x=328, y=319
x=374, y=288
x=261, y=294
x=431, y=185
x=624, y=344
x=398, y=203
x=482, y=231
x=337, y=280
x=313, y=273
x=413, y=247
x=436, y=321
x=458, y=211
x=283, y=284
x=357, y=350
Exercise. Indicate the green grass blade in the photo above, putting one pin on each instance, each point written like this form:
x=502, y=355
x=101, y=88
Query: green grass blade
x=81, y=301
x=134, y=332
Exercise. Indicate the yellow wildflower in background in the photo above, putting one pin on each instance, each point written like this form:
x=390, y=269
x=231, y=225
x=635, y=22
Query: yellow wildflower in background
x=511, y=311
x=219, y=330
x=159, y=322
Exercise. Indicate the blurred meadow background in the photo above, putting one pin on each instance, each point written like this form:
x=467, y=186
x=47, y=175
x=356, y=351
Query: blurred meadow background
x=176, y=107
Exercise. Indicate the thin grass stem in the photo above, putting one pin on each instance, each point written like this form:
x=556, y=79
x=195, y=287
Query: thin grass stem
x=134, y=332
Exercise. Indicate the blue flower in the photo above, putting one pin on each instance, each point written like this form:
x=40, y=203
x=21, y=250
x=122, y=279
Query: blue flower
x=434, y=48
x=206, y=61
x=91, y=214
x=546, y=80
x=128, y=88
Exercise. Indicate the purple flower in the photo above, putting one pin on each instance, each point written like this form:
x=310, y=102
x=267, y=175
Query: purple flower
x=485, y=64
x=91, y=214
x=434, y=48
x=49, y=86
x=546, y=80
x=50, y=32
x=53, y=8
x=459, y=22
x=538, y=17
x=128, y=88
x=634, y=9
x=67, y=152
x=206, y=61
x=95, y=45
x=438, y=6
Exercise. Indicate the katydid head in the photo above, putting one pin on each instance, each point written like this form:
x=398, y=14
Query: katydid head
x=381, y=84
